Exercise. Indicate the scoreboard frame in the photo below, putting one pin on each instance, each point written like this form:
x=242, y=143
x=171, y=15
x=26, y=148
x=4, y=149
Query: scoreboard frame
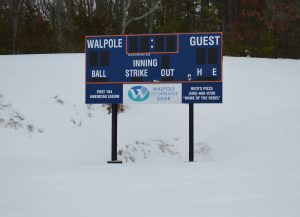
x=160, y=82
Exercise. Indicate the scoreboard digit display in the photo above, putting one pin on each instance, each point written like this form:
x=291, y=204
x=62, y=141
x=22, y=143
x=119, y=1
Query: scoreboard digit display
x=154, y=68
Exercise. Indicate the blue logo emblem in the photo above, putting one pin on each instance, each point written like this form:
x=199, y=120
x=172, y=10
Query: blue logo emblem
x=138, y=93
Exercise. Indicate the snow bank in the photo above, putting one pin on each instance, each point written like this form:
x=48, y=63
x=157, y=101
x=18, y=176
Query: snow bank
x=54, y=148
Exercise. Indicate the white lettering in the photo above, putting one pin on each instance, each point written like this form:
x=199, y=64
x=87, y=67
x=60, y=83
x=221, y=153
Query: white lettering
x=199, y=72
x=167, y=72
x=98, y=74
x=214, y=71
x=145, y=63
x=204, y=40
x=105, y=43
x=136, y=72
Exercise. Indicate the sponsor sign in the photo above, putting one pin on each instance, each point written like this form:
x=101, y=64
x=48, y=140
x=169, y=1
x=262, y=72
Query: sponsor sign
x=152, y=93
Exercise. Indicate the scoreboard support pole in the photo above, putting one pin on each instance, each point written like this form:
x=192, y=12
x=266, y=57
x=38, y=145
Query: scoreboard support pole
x=191, y=132
x=114, y=135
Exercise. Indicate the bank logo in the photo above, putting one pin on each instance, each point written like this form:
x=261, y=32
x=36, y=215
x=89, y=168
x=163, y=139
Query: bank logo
x=138, y=93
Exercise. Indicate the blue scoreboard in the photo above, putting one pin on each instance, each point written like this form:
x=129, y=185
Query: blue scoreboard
x=154, y=68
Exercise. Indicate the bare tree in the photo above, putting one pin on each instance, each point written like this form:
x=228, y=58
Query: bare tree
x=15, y=7
x=59, y=22
x=126, y=20
x=151, y=18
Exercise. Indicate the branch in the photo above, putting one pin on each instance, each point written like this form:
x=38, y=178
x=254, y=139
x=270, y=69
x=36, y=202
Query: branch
x=127, y=6
x=124, y=16
x=144, y=15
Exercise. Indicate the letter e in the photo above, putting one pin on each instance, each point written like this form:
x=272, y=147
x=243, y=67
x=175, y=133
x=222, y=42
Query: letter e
x=214, y=71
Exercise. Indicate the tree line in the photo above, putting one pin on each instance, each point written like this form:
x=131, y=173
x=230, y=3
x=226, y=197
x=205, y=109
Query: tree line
x=261, y=28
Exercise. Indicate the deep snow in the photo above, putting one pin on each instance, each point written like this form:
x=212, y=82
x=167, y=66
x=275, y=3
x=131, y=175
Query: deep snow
x=54, y=148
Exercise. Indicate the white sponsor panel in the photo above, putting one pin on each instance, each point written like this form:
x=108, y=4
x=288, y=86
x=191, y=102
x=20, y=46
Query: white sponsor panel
x=152, y=93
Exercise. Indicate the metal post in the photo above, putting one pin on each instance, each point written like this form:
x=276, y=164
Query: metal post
x=114, y=127
x=191, y=132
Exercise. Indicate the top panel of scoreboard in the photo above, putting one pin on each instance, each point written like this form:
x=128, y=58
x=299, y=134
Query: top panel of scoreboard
x=152, y=58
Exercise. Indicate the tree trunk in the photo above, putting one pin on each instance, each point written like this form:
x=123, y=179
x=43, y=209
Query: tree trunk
x=15, y=8
x=151, y=19
x=59, y=10
x=230, y=12
x=101, y=6
x=126, y=5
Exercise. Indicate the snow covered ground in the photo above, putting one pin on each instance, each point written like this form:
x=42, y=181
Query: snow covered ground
x=54, y=148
